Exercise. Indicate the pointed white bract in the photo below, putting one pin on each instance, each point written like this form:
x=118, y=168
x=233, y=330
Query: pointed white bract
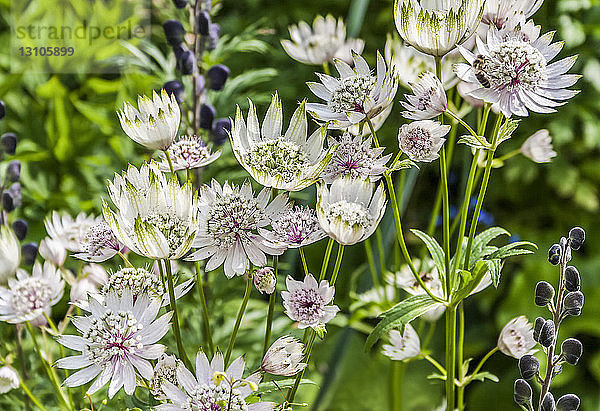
x=284, y=357
x=9, y=379
x=10, y=253
x=230, y=217
x=437, y=27
x=117, y=339
x=155, y=218
x=356, y=95
x=29, y=296
x=507, y=13
x=513, y=71
x=307, y=302
x=154, y=123
x=100, y=244
x=213, y=387
x=322, y=43
x=187, y=153
x=296, y=227
x=70, y=232
x=422, y=140
x=538, y=147
x=52, y=250
x=516, y=338
x=92, y=277
x=290, y=161
x=355, y=158
x=428, y=99
x=402, y=346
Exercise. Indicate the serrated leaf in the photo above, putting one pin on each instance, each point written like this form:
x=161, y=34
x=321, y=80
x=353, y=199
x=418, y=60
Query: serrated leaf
x=436, y=251
x=494, y=267
x=474, y=142
x=506, y=130
x=270, y=386
x=509, y=250
x=474, y=280
x=402, y=164
x=481, y=376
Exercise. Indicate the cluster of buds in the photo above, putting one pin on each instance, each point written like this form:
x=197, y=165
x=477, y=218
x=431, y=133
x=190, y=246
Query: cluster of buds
x=566, y=301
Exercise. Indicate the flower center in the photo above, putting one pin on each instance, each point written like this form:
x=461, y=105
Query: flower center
x=282, y=158
x=351, y=94
x=112, y=336
x=231, y=217
x=296, y=226
x=189, y=150
x=350, y=213
x=171, y=226
x=418, y=142
x=210, y=397
x=351, y=159
x=307, y=304
x=514, y=64
x=31, y=294
x=100, y=236
x=137, y=280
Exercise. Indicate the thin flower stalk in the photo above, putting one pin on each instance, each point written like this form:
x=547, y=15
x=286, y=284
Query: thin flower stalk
x=205, y=316
x=32, y=397
x=271, y=310
x=238, y=320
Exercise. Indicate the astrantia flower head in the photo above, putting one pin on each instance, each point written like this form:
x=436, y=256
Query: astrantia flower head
x=355, y=158
x=357, y=94
x=538, y=147
x=422, y=140
x=213, y=388
x=230, y=217
x=155, y=123
x=349, y=211
x=508, y=13
x=29, y=296
x=91, y=278
x=71, y=233
x=514, y=72
x=307, y=302
x=155, y=218
x=321, y=44
x=9, y=379
x=188, y=152
x=100, y=244
x=284, y=357
x=428, y=99
x=10, y=253
x=516, y=338
x=290, y=161
x=117, y=340
x=435, y=27
x=164, y=370
x=296, y=227
x=402, y=347
x=53, y=250
x=264, y=280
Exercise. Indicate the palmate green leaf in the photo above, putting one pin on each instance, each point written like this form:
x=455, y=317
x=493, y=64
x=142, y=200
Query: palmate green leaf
x=474, y=142
x=437, y=254
x=506, y=130
x=400, y=315
x=495, y=267
x=511, y=249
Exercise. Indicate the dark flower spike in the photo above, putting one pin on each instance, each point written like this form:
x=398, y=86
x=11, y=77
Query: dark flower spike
x=9, y=142
x=186, y=62
x=568, y=402
x=2, y=109
x=174, y=32
x=537, y=328
x=572, y=279
x=29, y=253
x=576, y=237
x=179, y=49
x=220, y=131
x=20, y=228
x=8, y=203
x=203, y=22
x=547, y=333
x=176, y=88
x=217, y=76
x=573, y=303
x=572, y=350
x=13, y=171
x=213, y=36
x=548, y=403
x=180, y=4
x=528, y=366
x=207, y=116
x=544, y=292
x=554, y=254
x=522, y=392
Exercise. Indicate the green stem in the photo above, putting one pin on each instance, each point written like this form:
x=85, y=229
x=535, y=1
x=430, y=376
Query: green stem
x=338, y=263
x=484, y=359
x=238, y=320
x=466, y=126
x=125, y=260
x=205, y=317
x=271, y=309
x=326, y=260
x=62, y=353
x=429, y=335
x=168, y=156
x=397, y=369
x=446, y=223
x=175, y=322
x=32, y=397
x=303, y=258
x=460, y=355
x=294, y=389
x=510, y=154
x=372, y=269
x=450, y=355
x=326, y=68
x=379, y=238
x=435, y=364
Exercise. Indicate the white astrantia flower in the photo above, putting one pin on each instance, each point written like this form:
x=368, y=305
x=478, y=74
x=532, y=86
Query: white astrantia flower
x=10, y=253
x=117, y=340
x=155, y=123
x=422, y=140
x=402, y=346
x=213, y=387
x=230, y=217
x=538, y=147
x=188, y=152
x=436, y=27
x=349, y=211
x=155, y=218
x=53, y=250
x=307, y=302
x=284, y=357
x=100, y=244
x=295, y=227
x=164, y=370
x=290, y=161
x=516, y=338
x=70, y=232
x=9, y=379
x=356, y=95
x=265, y=280
x=321, y=44
x=503, y=13
x=29, y=296
x=91, y=278
x=428, y=99
x=514, y=72
x=355, y=158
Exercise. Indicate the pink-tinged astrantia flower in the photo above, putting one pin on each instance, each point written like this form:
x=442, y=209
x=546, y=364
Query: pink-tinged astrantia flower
x=296, y=227
x=71, y=233
x=321, y=44
x=284, y=357
x=230, y=217
x=188, y=152
x=357, y=94
x=507, y=13
x=117, y=340
x=29, y=296
x=213, y=388
x=402, y=347
x=428, y=99
x=9, y=379
x=422, y=140
x=100, y=244
x=514, y=72
x=355, y=158
x=10, y=253
x=91, y=278
x=538, y=147
x=516, y=338
x=307, y=302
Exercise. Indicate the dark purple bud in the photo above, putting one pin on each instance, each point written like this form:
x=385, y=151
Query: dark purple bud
x=573, y=303
x=544, y=293
x=200, y=84
x=186, y=62
x=576, y=237
x=29, y=253
x=220, y=131
x=572, y=350
x=203, y=22
x=207, y=115
x=20, y=227
x=213, y=36
x=176, y=88
x=568, y=402
x=554, y=254
x=572, y=279
x=8, y=203
x=13, y=171
x=2, y=109
x=180, y=3
x=537, y=328
x=548, y=403
x=547, y=333
x=217, y=76
x=522, y=392
x=528, y=366
x=179, y=49
x=9, y=142
x=174, y=31
x=15, y=192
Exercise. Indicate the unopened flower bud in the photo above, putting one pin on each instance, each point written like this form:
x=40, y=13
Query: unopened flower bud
x=572, y=279
x=8, y=203
x=537, y=328
x=544, y=292
x=217, y=76
x=53, y=250
x=213, y=36
x=220, y=131
x=573, y=303
x=9, y=142
x=174, y=32
x=568, y=402
x=576, y=237
x=203, y=22
x=176, y=88
x=9, y=379
x=284, y=357
x=186, y=62
x=29, y=253
x=20, y=228
x=572, y=350
x=15, y=192
x=547, y=333
x=13, y=171
x=554, y=253
x=178, y=50
x=2, y=109
x=180, y=3
x=548, y=403
x=265, y=280
x=522, y=392
x=207, y=115
x=528, y=366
